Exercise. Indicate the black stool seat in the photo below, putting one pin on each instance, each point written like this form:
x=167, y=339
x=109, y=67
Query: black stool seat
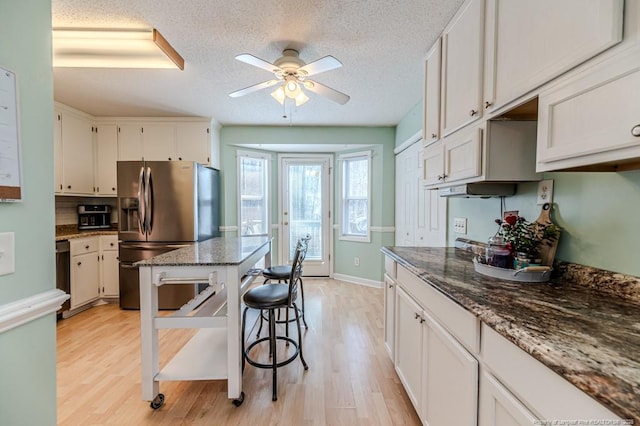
x=267, y=296
x=279, y=272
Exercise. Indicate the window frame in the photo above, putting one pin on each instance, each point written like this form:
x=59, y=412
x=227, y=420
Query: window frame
x=342, y=161
x=266, y=157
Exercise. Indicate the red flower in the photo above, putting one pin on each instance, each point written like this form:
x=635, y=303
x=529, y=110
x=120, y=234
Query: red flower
x=511, y=220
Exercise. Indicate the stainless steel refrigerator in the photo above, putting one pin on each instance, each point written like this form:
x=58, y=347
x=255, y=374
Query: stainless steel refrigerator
x=163, y=206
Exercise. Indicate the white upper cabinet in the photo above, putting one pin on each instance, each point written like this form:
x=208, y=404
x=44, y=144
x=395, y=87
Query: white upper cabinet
x=159, y=141
x=462, y=62
x=530, y=42
x=77, y=154
x=106, y=136
x=130, y=142
x=193, y=142
x=57, y=151
x=431, y=126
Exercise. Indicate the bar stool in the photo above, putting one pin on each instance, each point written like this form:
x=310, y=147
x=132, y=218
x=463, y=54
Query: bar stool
x=271, y=297
x=281, y=274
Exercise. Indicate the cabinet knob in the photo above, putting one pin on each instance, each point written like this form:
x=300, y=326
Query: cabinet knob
x=111, y=244
x=79, y=263
x=635, y=130
x=113, y=189
x=417, y=315
x=87, y=247
x=169, y=158
x=390, y=285
x=487, y=104
x=433, y=136
x=180, y=158
x=68, y=186
x=421, y=320
x=473, y=112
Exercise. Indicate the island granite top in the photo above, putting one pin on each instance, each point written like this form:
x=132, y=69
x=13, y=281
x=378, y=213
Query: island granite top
x=213, y=252
x=590, y=338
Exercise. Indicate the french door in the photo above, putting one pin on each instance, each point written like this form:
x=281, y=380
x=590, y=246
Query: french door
x=305, y=205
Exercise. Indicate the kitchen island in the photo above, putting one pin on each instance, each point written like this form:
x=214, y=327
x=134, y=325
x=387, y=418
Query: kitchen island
x=586, y=336
x=227, y=266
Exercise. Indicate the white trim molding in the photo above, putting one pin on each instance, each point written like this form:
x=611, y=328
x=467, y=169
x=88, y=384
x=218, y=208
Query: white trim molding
x=15, y=314
x=229, y=228
x=410, y=141
x=383, y=229
x=358, y=280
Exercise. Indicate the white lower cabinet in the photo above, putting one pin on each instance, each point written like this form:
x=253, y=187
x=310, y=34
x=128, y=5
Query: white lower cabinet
x=109, y=270
x=409, y=360
x=450, y=378
x=389, y=314
x=498, y=406
x=85, y=271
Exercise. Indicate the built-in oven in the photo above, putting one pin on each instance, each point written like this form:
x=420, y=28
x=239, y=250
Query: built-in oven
x=63, y=272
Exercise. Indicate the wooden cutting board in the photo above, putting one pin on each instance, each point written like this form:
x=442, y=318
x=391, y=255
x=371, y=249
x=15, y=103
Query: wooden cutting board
x=547, y=252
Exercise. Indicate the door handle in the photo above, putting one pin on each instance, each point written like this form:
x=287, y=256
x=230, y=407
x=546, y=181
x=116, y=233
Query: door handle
x=148, y=187
x=285, y=223
x=141, y=209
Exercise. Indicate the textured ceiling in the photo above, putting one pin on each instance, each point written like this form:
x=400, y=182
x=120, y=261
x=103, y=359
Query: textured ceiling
x=382, y=45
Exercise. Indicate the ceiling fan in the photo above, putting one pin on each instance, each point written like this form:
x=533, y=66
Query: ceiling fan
x=291, y=76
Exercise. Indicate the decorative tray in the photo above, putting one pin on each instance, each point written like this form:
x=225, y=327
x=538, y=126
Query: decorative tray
x=530, y=274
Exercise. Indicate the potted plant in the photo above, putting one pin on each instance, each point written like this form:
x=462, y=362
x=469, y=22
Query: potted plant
x=526, y=239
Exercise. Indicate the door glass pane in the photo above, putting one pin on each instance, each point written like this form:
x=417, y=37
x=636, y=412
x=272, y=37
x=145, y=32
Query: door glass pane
x=253, y=199
x=305, y=208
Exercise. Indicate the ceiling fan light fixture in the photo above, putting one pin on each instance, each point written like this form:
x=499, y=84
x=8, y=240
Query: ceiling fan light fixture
x=279, y=95
x=301, y=99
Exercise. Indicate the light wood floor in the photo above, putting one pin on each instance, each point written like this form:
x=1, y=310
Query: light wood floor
x=350, y=380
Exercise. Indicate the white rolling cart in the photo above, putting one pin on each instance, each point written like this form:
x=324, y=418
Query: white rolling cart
x=214, y=352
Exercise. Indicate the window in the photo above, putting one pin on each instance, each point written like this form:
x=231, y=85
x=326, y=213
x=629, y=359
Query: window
x=355, y=202
x=253, y=177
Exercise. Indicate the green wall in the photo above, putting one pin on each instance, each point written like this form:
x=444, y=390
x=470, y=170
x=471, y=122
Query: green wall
x=28, y=353
x=381, y=140
x=410, y=124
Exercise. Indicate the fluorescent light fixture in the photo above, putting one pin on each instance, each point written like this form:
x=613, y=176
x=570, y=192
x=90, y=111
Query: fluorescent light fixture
x=107, y=48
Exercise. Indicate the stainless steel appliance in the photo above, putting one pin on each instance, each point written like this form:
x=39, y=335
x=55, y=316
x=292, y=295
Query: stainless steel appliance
x=63, y=272
x=94, y=216
x=162, y=206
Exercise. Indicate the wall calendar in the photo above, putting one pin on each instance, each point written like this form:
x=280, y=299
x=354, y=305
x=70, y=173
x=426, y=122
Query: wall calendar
x=10, y=173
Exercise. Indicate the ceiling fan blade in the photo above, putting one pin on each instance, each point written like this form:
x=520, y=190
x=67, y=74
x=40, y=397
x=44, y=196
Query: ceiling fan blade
x=327, y=92
x=254, y=88
x=257, y=62
x=327, y=63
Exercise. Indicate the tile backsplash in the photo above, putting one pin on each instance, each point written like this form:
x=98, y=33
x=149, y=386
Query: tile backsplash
x=67, y=208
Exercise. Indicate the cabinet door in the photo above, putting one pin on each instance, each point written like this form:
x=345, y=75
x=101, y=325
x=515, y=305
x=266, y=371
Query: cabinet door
x=389, y=314
x=450, y=379
x=529, y=43
x=463, y=156
x=406, y=175
x=84, y=279
x=77, y=154
x=498, y=407
x=159, y=142
x=433, y=163
x=462, y=67
x=57, y=151
x=109, y=273
x=584, y=124
x=193, y=142
x=431, y=224
x=431, y=127
x=106, y=159
x=130, y=142
x=408, y=353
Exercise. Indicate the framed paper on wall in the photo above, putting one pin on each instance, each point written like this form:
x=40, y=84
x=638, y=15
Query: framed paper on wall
x=10, y=167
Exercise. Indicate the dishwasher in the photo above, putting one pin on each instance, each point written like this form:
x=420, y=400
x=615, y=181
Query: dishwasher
x=63, y=272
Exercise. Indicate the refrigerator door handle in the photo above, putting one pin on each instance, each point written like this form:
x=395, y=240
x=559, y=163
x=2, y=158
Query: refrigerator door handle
x=141, y=203
x=148, y=187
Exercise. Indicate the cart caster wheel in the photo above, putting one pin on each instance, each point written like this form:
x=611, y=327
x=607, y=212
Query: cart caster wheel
x=238, y=402
x=157, y=402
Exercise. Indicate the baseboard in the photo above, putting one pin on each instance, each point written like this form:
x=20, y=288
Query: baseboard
x=358, y=280
x=15, y=314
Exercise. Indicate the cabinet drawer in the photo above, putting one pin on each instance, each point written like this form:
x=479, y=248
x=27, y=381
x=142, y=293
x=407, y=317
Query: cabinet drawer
x=108, y=242
x=535, y=384
x=390, y=266
x=83, y=245
x=463, y=325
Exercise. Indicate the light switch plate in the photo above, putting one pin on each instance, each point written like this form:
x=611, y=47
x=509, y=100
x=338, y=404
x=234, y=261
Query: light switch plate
x=545, y=191
x=460, y=225
x=7, y=253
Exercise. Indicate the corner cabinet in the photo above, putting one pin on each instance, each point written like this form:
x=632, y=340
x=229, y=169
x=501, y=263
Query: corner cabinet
x=462, y=62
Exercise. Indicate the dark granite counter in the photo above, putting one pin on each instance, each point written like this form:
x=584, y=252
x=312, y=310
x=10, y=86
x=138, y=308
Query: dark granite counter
x=589, y=337
x=69, y=232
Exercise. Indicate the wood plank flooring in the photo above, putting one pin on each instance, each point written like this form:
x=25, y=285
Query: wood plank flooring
x=350, y=381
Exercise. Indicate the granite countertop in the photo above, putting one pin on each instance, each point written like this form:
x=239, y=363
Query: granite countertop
x=213, y=252
x=589, y=337
x=69, y=232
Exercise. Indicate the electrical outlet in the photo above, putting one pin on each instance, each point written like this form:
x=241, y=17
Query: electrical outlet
x=460, y=225
x=356, y=261
x=545, y=191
